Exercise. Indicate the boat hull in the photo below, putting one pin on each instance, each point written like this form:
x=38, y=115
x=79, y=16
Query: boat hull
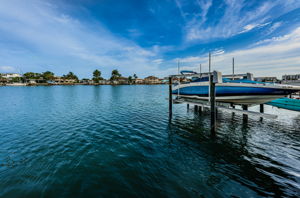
x=286, y=103
x=236, y=93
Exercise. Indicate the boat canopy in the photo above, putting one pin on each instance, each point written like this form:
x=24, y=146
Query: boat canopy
x=227, y=80
x=187, y=72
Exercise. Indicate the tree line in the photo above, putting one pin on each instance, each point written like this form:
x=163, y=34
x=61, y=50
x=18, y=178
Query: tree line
x=48, y=75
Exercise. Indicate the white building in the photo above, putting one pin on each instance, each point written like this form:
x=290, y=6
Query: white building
x=11, y=75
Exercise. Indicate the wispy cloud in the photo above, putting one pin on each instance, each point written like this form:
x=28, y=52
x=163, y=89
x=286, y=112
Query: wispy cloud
x=273, y=57
x=236, y=20
x=39, y=28
x=7, y=69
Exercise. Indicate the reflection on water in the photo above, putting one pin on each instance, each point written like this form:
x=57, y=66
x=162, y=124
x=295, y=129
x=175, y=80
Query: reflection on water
x=119, y=140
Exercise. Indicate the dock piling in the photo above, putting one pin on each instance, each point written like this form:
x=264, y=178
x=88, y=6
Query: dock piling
x=245, y=116
x=170, y=96
x=261, y=108
x=213, y=117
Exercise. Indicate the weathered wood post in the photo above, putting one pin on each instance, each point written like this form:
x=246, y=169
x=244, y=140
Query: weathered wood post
x=170, y=96
x=213, y=118
x=195, y=108
x=261, y=108
x=215, y=77
x=245, y=116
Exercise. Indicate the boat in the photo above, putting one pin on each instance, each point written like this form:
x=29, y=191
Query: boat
x=286, y=103
x=240, y=91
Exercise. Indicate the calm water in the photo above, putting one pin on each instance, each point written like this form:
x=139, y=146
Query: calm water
x=118, y=141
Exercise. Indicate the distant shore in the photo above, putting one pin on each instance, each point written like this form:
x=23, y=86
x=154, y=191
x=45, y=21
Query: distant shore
x=65, y=84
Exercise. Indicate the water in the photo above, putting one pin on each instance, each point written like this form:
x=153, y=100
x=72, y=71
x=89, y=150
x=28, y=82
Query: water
x=118, y=141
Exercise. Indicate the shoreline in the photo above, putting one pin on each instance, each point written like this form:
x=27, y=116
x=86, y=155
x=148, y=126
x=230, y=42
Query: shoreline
x=66, y=84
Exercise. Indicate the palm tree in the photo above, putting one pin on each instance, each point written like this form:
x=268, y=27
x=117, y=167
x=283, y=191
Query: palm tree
x=115, y=74
x=97, y=75
x=129, y=79
x=135, y=76
x=71, y=75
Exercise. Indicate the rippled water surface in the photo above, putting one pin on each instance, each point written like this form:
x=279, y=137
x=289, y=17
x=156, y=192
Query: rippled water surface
x=118, y=141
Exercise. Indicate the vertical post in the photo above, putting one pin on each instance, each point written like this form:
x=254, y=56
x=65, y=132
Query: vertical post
x=170, y=96
x=200, y=109
x=232, y=68
x=245, y=116
x=188, y=106
x=177, y=78
x=195, y=108
x=213, y=117
x=209, y=62
x=261, y=108
x=200, y=70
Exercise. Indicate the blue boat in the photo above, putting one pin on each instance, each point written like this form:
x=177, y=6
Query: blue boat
x=241, y=91
x=286, y=103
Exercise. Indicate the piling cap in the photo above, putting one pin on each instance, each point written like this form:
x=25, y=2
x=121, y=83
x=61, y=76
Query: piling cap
x=217, y=77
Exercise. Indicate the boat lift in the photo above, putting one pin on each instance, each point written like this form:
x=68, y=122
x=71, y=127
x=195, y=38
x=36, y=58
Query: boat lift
x=215, y=77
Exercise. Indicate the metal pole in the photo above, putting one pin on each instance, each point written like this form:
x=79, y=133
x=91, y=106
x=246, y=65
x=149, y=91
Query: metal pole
x=200, y=70
x=209, y=63
x=232, y=68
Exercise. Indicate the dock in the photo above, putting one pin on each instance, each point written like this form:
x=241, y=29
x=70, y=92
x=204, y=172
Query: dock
x=215, y=77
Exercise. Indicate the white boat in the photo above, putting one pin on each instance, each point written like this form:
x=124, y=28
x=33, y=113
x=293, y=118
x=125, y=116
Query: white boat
x=242, y=91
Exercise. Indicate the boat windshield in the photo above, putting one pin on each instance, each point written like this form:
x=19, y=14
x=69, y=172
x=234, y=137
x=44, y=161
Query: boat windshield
x=227, y=80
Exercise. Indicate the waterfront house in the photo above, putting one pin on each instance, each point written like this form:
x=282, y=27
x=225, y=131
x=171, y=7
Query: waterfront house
x=291, y=79
x=119, y=80
x=60, y=80
x=11, y=75
x=138, y=81
x=152, y=80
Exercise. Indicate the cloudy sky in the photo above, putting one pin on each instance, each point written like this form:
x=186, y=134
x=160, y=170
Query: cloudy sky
x=148, y=36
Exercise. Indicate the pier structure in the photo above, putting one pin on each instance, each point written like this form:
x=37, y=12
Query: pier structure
x=215, y=77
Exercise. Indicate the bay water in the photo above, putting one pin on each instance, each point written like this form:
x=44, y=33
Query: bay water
x=119, y=141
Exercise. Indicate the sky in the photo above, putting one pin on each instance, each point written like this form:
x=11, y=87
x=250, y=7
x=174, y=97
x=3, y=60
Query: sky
x=149, y=37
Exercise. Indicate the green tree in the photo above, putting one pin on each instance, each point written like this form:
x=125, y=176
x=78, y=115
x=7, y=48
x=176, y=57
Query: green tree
x=31, y=75
x=70, y=75
x=48, y=75
x=130, y=79
x=135, y=76
x=115, y=74
x=97, y=76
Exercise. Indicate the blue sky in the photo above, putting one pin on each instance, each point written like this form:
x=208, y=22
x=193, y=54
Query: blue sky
x=148, y=36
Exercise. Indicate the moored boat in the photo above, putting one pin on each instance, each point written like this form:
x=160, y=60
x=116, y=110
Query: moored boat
x=286, y=103
x=242, y=91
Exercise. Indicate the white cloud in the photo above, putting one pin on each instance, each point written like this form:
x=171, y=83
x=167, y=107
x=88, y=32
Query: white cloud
x=6, y=69
x=236, y=20
x=44, y=32
x=273, y=57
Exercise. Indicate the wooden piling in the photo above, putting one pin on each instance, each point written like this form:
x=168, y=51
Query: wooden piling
x=245, y=116
x=195, y=108
x=170, y=96
x=213, y=117
x=261, y=108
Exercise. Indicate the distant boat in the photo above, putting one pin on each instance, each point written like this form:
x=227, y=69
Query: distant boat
x=16, y=84
x=242, y=91
x=286, y=103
